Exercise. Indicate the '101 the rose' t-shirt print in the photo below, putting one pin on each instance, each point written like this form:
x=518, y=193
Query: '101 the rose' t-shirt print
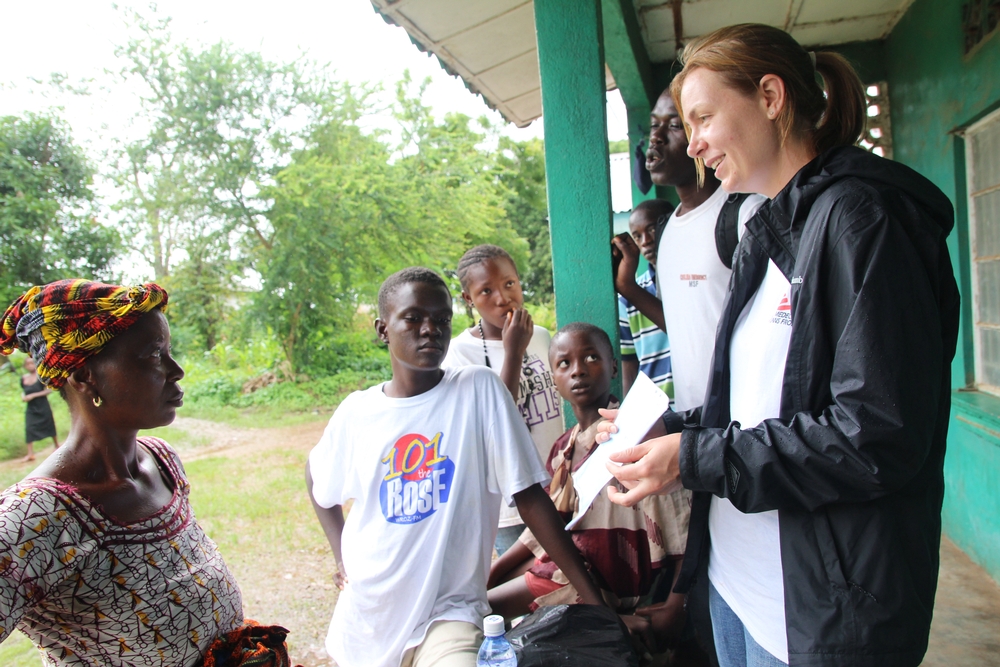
x=418, y=479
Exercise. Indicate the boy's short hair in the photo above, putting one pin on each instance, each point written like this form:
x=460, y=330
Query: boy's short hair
x=657, y=208
x=478, y=255
x=592, y=329
x=412, y=274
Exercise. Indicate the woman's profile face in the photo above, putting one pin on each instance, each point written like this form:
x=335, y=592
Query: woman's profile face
x=136, y=377
x=730, y=131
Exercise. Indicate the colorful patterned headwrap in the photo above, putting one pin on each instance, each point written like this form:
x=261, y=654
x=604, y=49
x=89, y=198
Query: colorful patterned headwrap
x=64, y=323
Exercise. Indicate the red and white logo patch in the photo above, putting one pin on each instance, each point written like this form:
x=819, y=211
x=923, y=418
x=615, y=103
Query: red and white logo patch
x=784, y=313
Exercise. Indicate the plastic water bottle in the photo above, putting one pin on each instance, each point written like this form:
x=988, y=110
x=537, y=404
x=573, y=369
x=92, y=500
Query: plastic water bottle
x=496, y=651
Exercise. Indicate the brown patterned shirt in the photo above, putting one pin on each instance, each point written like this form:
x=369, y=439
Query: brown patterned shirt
x=89, y=590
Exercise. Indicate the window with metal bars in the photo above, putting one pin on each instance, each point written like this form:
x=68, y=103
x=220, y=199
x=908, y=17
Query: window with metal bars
x=878, y=135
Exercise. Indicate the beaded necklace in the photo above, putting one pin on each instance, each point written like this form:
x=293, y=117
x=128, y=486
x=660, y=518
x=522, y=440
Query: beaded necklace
x=526, y=370
x=482, y=336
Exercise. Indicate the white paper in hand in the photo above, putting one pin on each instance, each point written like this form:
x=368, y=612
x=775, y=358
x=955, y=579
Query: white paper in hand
x=643, y=405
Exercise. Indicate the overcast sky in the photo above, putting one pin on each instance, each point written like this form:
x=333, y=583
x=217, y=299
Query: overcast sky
x=77, y=38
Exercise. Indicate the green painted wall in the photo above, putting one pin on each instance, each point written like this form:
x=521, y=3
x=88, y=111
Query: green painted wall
x=934, y=89
x=571, y=64
x=868, y=59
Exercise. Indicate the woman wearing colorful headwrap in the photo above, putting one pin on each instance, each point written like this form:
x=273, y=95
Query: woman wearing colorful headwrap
x=101, y=558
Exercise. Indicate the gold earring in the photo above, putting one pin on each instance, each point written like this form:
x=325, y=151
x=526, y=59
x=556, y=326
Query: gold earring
x=97, y=401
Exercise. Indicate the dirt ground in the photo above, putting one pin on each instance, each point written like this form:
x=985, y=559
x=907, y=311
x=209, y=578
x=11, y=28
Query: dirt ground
x=963, y=633
x=296, y=590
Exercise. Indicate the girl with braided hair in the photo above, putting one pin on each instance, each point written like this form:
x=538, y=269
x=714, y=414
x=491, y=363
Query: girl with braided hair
x=506, y=339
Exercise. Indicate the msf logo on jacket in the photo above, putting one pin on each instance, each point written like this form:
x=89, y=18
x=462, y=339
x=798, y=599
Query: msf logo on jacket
x=418, y=480
x=783, y=315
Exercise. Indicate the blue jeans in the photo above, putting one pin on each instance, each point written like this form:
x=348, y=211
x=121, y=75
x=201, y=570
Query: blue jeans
x=733, y=644
x=506, y=538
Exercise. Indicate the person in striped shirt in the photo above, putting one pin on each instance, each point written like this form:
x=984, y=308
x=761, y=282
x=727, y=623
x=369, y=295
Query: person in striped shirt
x=644, y=345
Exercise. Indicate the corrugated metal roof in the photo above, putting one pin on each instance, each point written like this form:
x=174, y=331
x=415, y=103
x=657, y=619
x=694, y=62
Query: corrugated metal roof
x=491, y=45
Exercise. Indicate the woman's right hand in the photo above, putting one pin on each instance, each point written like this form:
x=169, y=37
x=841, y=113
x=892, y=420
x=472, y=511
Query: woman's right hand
x=651, y=467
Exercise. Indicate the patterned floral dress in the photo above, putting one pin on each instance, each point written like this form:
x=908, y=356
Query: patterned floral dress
x=89, y=590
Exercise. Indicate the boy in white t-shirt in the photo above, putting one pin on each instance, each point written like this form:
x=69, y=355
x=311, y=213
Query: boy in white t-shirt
x=427, y=459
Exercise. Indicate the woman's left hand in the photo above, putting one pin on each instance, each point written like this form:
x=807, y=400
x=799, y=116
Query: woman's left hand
x=650, y=467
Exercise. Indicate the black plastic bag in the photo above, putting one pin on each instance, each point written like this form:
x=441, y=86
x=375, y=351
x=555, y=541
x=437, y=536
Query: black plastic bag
x=580, y=635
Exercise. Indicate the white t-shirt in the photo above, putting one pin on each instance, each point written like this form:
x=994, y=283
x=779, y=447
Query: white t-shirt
x=692, y=282
x=542, y=412
x=745, y=560
x=427, y=475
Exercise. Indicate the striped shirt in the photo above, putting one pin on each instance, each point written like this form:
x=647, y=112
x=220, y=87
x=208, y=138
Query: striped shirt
x=644, y=340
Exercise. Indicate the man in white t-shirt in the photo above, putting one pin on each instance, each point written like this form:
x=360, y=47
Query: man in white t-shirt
x=427, y=459
x=691, y=278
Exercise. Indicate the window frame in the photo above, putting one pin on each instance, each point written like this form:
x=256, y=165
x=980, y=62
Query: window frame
x=971, y=194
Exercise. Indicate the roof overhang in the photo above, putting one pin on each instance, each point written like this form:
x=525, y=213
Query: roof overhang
x=491, y=44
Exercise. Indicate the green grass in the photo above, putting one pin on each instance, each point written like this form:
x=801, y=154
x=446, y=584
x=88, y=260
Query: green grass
x=14, y=475
x=178, y=438
x=260, y=417
x=258, y=499
x=18, y=651
x=255, y=507
x=12, y=443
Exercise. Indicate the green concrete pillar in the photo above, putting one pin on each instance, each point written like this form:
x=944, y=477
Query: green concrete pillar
x=571, y=64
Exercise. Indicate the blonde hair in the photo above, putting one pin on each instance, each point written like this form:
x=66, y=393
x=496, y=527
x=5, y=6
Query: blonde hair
x=828, y=115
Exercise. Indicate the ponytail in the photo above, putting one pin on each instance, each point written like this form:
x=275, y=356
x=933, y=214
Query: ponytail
x=843, y=122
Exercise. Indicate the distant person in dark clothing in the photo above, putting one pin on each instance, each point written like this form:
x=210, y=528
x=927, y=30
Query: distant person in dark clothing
x=38, y=421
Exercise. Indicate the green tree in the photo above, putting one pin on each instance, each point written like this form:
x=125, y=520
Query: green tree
x=522, y=173
x=47, y=228
x=221, y=123
x=460, y=197
x=327, y=229
x=351, y=209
